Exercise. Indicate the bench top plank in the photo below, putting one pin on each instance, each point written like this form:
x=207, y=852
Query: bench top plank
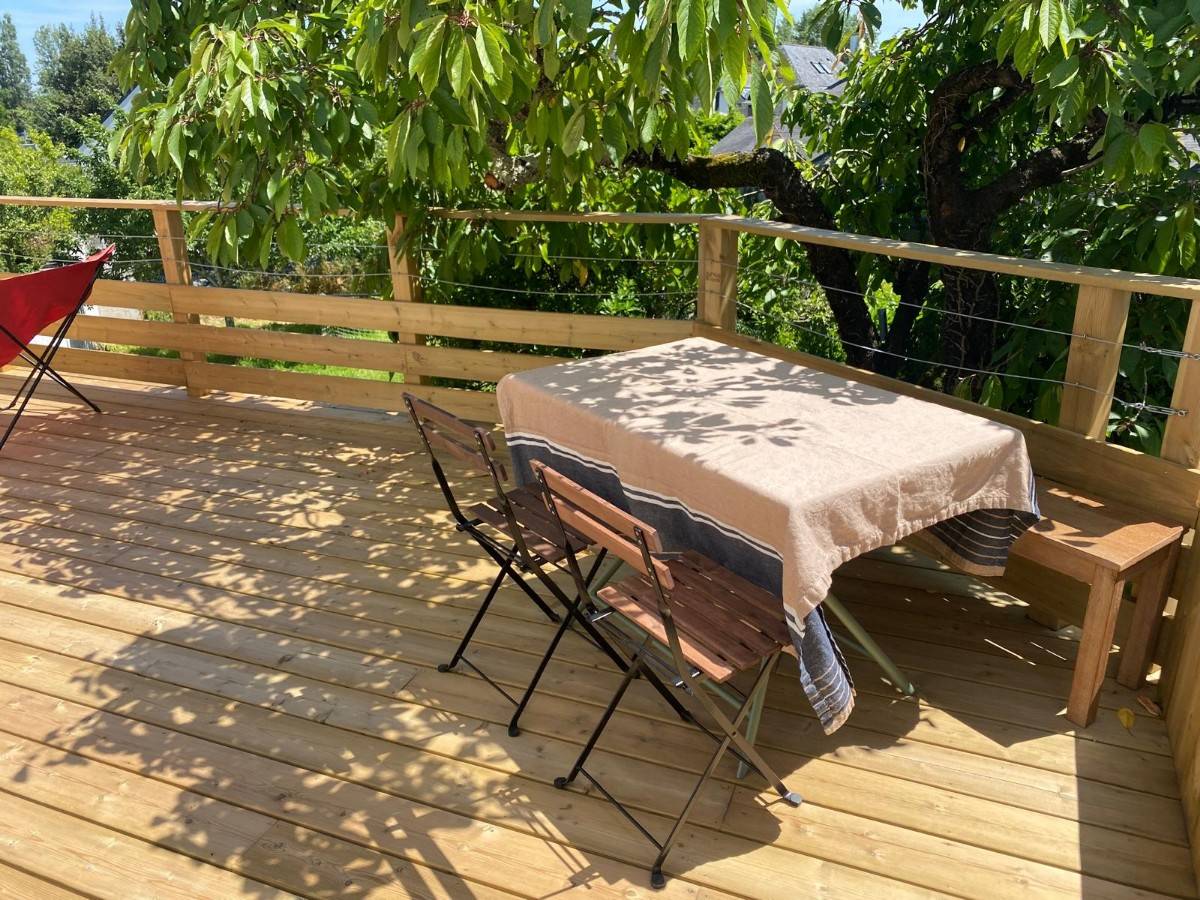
x=1083, y=531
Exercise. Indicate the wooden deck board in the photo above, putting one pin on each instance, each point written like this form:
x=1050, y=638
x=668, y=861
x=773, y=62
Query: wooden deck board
x=226, y=617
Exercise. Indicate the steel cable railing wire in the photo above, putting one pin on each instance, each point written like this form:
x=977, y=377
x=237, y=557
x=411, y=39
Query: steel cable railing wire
x=1141, y=346
x=427, y=280
x=665, y=260
x=1132, y=405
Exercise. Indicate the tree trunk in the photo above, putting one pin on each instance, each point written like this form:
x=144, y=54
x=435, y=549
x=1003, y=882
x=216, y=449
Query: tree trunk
x=971, y=298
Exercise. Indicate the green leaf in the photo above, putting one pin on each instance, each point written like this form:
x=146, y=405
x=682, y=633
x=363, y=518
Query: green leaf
x=491, y=51
x=1050, y=21
x=460, y=65
x=1151, y=139
x=963, y=390
x=691, y=23
x=871, y=14
x=1047, y=405
x=314, y=195
x=1064, y=72
x=580, y=12
x=1025, y=52
x=992, y=393
x=656, y=16
x=175, y=146
x=543, y=23
x=650, y=125
x=425, y=59
x=291, y=239
x=573, y=133
x=760, y=106
x=1187, y=249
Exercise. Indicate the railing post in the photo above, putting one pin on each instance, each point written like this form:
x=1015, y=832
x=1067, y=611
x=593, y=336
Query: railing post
x=177, y=270
x=716, y=302
x=1181, y=440
x=1100, y=313
x=406, y=287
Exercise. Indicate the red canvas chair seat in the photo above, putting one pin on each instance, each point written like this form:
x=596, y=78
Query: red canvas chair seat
x=30, y=303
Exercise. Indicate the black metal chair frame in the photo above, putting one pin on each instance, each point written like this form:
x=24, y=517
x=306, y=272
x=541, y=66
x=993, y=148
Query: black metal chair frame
x=40, y=365
x=506, y=558
x=513, y=561
x=728, y=737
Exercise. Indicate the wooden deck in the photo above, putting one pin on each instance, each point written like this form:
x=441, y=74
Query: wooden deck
x=219, y=626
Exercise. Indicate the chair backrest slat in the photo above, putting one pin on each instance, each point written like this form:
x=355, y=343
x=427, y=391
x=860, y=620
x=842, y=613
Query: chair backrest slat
x=597, y=519
x=448, y=422
x=447, y=432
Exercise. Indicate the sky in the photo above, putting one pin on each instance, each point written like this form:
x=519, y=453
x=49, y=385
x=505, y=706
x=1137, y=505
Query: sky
x=29, y=15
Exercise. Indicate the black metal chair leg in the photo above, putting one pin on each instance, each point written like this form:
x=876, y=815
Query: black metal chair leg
x=597, y=638
x=738, y=743
x=657, y=881
x=479, y=614
x=25, y=400
x=630, y=674
x=63, y=383
x=514, y=727
x=572, y=613
x=732, y=738
x=506, y=567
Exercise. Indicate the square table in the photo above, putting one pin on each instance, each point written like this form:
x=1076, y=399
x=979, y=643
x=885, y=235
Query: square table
x=777, y=471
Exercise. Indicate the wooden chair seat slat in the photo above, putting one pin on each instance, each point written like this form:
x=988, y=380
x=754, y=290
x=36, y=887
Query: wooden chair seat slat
x=721, y=631
x=714, y=598
x=537, y=530
x=727, y=580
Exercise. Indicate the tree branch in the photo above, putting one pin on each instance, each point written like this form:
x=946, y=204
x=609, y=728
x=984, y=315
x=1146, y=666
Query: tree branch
x=799, y=204
x=1180, y=106
x=1045, y=168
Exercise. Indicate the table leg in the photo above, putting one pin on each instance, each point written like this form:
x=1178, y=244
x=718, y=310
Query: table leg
x=754, y=717
x=898, y=679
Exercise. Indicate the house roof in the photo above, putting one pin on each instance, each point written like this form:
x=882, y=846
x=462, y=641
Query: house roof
x=814, y=68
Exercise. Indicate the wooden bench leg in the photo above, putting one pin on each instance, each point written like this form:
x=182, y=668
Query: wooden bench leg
x=1137, y=648
x=1099, y=624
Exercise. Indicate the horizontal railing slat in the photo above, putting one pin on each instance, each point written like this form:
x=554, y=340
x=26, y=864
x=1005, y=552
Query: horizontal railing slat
x=385, y=395
x=131, y=366
x=385, y=356
x=514, y=326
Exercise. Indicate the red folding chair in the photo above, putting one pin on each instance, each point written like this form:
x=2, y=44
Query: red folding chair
x=28, y=303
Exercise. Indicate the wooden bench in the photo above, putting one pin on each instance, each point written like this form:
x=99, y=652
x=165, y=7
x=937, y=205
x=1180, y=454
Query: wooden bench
x=1106, y=547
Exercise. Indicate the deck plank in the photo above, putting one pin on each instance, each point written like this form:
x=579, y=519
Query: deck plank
x=227, y=606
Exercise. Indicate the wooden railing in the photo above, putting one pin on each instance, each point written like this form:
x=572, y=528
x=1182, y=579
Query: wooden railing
x=1074, y=452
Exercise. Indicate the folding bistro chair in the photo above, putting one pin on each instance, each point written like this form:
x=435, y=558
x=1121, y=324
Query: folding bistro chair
x=713, y=623
x=28, y=303
x=520, y=536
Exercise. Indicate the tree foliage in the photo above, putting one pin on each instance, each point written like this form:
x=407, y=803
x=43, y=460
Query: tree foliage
x=378, y=105
x=34, y=166
x=1044, y=127
x=75, y=79
x=14, y=71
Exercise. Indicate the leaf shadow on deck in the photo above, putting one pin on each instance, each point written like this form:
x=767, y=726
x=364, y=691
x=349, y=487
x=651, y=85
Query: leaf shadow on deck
x=267, y=761
x=289, y=724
